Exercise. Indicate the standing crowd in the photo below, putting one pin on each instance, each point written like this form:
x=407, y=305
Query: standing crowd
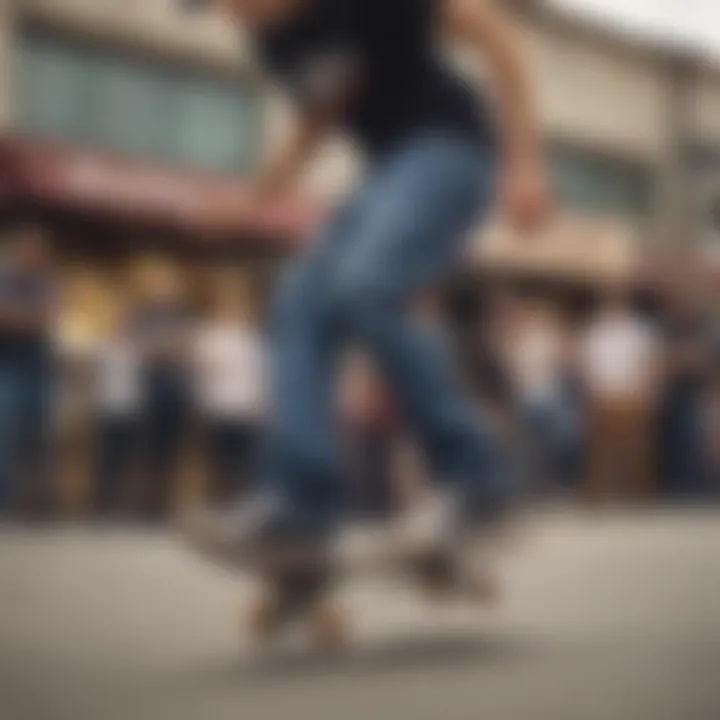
x=617, y=402
x=166, y=376
x=621, y=403
x=162, y=375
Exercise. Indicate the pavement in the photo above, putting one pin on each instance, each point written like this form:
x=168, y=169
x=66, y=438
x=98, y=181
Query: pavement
x=608, y=616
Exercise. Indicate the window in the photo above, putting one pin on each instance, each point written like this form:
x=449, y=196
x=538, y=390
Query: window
x=135, y=106
x=601, y=185
x=206, y=126
x=53, y=85
x=126, y=106
x=704, y=163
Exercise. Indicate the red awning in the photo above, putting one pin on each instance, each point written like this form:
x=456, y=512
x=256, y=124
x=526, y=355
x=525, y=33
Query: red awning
x=102, y=183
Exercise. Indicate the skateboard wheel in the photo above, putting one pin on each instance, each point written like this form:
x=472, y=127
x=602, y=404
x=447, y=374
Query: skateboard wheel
x=435, y=593
x=263, y=617
x=327, y=626
x=484, y=589
x=435, y=575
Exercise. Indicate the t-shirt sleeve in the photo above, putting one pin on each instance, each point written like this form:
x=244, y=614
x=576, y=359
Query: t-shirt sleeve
x=401, y=19
x=309, y=80
x=416, y=12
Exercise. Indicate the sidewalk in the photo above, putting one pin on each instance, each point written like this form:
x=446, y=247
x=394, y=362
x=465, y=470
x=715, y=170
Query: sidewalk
x=613, y=615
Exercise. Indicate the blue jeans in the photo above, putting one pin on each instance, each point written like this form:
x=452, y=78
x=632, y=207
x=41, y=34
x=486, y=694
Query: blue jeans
x=24, y=430
x=552, y=435
x=399, y=233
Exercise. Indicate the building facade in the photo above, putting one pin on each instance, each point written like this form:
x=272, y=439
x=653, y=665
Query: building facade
x=633, y=131
x=636, y=117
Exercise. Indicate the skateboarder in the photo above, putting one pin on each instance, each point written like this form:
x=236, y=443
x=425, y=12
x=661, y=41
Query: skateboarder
x=436, y=155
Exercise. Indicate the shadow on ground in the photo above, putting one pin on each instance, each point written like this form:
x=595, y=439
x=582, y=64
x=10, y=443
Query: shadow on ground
x=443, y=652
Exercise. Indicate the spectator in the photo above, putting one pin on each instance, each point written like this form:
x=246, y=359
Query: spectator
x=230, y=380
x=710, y=432
x=27, y=305
x=484, y=347
x=680, y=434
x=162, y=324
x=620, y=364
x=116, y=410
x=370, y=436
x=537, y=352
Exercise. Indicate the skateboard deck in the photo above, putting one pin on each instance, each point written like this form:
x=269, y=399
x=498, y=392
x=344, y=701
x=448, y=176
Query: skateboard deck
x=299, y=585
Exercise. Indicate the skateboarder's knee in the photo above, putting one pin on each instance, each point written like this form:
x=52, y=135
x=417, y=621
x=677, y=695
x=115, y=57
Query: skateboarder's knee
x=362, y=298
x=296, y=293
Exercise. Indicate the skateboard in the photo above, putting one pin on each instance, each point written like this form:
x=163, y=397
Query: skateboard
x=298, y=586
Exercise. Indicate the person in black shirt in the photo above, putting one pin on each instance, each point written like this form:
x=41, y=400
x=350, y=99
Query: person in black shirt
x=435, y=157
x=161, y=326
x=688, y=359
x=27, y=304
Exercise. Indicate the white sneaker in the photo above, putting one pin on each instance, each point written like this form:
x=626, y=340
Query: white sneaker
x=431, y=524
x=232, y=533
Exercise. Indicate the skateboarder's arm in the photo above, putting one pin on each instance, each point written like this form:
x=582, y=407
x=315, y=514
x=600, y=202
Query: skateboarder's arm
x=485, y=27
x=284, y=164
x=276, y=174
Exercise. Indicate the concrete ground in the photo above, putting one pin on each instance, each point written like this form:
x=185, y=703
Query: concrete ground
x=609, y=617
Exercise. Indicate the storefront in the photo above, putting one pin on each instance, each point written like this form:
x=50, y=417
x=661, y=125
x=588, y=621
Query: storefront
x=705, y=166
x=109, y=216
x=114, y=142
x=103, y=205
x=568, y=265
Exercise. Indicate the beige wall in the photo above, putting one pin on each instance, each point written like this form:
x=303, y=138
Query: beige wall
x=152, y=23
x=590, y=91
x=157, y=25
x=597, y=94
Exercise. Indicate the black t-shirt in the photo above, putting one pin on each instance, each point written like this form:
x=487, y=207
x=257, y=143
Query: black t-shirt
x=386, y=54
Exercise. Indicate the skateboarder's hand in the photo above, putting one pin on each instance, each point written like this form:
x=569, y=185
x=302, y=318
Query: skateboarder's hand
x=526, y=204
x=228, y=211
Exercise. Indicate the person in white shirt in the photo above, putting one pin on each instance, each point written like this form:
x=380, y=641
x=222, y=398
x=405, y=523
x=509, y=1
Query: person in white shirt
x=620, y=361
x=230, y=383
x=536, y=354
x=117, y=406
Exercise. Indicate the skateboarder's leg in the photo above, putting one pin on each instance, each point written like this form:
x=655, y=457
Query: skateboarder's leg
x=412, y=228
x=300, y=462
x=296, y=492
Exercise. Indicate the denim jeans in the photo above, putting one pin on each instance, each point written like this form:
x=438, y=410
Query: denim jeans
x=24, y=431
x=552, y=435
x=399, y=233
